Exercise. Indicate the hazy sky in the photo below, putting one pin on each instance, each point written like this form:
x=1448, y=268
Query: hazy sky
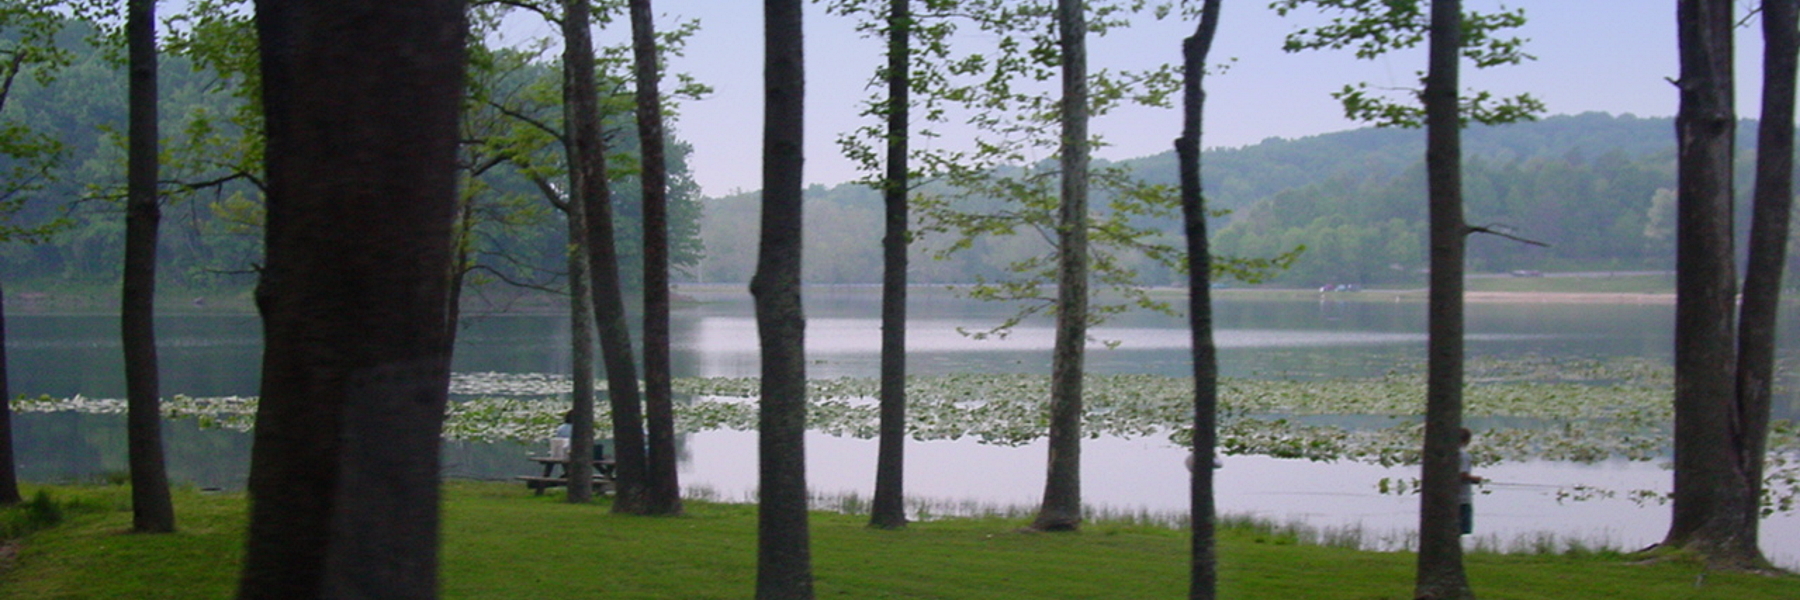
x=1592, y=55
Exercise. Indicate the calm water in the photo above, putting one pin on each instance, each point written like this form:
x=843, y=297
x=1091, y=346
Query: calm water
x=207, y=355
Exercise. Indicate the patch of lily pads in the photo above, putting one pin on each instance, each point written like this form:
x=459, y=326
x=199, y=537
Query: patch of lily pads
x=1531, y=408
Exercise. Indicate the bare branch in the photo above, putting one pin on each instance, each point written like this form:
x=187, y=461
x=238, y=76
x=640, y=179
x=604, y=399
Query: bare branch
x=1496, y=232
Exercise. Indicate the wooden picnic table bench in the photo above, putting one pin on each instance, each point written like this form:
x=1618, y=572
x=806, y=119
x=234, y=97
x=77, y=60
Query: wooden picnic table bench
x=603, y=475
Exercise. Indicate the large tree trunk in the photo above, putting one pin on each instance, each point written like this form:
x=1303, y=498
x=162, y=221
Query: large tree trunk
x=663, y=484
x=9, y=469
x=582, y=110
x=1061, y=509
x=1773, y=203
x=1713, y=506
x=1440, y=566
x=361, y=99
x=784, y=554
x=1203, y=569
x=889, y=508
x=151, y=509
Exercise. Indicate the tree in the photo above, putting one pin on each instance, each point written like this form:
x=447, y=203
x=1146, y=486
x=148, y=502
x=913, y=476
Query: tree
x=1440, y=570
x=28, y=48
x=1376, y=27
x=1721, y=383
x=587, y=167
x=1061, y=508
x=1203, y=576
x=784, y=555
x=662, y=482
x=888, y=508
x=361, y=99
x=151, y=508
x=587, y=179
x=1772, y=206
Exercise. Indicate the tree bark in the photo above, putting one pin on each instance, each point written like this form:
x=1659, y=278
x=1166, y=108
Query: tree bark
x=1709, y=511
x=9, y=468
x=588, y=168
x=663, y=483
x=582, y=148
x=784, y=555
x=1203, y=568
x=889, y=508
x=1772, y=204
x=1061, y=509
x=151, y=509
x=361, y=99
x=581, y=359
x=1440, y=565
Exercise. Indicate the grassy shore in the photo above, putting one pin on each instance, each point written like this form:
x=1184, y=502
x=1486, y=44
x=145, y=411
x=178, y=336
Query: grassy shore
x=501, y=542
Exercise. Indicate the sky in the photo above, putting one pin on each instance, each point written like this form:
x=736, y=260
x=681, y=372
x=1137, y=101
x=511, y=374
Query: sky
x=1614, y=56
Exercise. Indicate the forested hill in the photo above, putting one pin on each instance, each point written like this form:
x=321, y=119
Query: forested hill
x=1586, y=184
x=1238, y=177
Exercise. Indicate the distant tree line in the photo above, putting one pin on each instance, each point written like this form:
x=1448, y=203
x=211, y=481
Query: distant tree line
x=1598, y=189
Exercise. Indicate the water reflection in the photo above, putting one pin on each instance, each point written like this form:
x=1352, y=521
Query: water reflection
x=207, y=355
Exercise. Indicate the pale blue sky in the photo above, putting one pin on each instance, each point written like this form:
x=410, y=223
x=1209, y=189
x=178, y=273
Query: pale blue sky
x=1593, y=55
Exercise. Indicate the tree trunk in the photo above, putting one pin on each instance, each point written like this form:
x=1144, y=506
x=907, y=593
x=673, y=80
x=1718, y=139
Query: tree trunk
x=1061, y=509
x=1773, y=203
x=1712, y=506
x=361, y=99
x=587, y=179
x=784, y=555
x=462, y=262
x=1440, y=565
x=581, y=357
x=582, y=110
x=9, y=468
x=1203, y=569
x=151, y=509
x=889, y=508
x=663, y=484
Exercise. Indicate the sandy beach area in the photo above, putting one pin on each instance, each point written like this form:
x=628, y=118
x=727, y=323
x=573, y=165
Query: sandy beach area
x=1567, y=298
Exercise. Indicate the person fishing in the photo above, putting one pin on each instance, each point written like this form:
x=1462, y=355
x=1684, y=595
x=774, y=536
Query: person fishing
x=1466, y=494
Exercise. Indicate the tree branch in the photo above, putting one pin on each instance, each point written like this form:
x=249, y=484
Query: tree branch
x=1496, y=232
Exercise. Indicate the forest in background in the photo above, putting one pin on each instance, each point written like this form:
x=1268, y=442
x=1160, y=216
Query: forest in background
x=1597, y=188
x=212, y=235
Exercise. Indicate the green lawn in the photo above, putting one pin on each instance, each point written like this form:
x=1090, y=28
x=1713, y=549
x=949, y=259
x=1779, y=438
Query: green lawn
x=501, y=542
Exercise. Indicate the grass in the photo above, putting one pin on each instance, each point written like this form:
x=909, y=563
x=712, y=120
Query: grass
x=501, y=542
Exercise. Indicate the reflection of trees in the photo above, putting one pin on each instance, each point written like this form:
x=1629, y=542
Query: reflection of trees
x=64, y=446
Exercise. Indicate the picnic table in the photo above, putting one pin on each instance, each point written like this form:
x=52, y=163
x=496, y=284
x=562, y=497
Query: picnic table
x=603, y=474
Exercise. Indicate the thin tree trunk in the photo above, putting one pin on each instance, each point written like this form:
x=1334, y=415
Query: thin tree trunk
x=889, y=508
x=151, y=509
x=461, y=263
x=1061, y=509
x=784, y=555
x=587, y=178
x=663, y=485
x=1440, y=565
x=1709, y=509
x=1773, y=203
x=1203, y=570
x=581, y=359
x=582, y=107
x=9, y=469
x=362, y=99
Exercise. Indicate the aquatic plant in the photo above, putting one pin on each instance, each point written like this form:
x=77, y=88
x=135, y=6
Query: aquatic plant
x=1529, y=408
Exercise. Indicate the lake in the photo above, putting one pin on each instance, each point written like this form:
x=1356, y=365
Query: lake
x=1301, y=336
